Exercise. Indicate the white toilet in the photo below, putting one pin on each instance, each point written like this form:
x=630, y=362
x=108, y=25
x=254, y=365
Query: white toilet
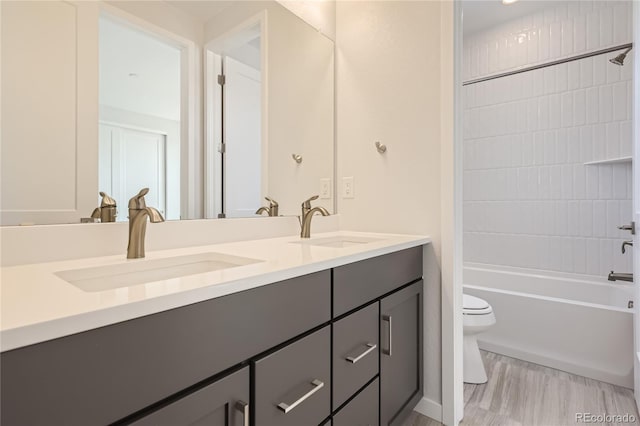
x=477, y=317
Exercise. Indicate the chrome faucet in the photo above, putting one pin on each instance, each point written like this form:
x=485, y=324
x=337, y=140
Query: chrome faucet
x=307, y=214
x=272, y=210
x=620, y=276
x=138, y=212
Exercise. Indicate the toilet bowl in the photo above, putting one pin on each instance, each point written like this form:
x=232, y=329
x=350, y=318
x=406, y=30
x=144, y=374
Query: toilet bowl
x=477, y=317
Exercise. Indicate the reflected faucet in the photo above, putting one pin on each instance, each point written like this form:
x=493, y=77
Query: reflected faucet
x=107, y=210
x=138, y=212
x=272, y=210
x=307, y=214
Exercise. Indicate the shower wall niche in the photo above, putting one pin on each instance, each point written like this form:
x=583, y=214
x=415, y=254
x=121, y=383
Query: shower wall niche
x=531, y=198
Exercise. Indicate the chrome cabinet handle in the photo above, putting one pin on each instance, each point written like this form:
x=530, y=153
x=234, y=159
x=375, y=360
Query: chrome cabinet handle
x=285, y=408
x=370, y=346
x=243, y=407
x=387, y=318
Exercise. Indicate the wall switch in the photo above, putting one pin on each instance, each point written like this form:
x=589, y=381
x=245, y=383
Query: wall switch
x=347, y=187
x=325, y=188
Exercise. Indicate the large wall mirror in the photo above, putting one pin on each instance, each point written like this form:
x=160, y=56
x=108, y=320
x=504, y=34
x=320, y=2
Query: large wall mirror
x=214, y=106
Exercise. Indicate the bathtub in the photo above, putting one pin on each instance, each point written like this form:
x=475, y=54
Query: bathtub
x=571, y=323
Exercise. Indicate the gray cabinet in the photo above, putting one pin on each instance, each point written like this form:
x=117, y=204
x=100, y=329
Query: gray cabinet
x=292, y=385
x=222, y=403
x=401, y=353
x=361, y=410
x=355, y=352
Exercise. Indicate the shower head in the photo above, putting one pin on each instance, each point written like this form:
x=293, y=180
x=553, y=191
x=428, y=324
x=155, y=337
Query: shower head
x=619, y=60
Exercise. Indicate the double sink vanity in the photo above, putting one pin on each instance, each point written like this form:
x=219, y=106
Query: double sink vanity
x=278, y=331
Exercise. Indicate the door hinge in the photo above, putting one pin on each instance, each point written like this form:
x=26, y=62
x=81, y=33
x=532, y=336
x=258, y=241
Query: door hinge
x=221, y=79
x=222, y=148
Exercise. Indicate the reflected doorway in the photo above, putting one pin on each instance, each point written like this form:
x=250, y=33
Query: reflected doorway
x=140, y=117
x=234, y=118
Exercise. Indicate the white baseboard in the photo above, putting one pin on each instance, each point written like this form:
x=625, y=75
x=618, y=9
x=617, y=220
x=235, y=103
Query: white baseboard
x=429, y=408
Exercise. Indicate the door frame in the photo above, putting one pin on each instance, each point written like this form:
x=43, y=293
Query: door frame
x=451, y=210
x=190, y=169
x=636, y=202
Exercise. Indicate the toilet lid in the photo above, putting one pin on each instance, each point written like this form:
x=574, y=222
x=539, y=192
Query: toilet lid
x=474, y=305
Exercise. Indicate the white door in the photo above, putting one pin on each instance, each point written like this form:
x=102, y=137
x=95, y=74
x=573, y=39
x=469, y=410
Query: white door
x=636, y=203
x=242, y=130
x=129, y=161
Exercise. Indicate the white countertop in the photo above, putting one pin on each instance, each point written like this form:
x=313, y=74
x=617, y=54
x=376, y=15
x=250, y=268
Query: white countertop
x=37, y=305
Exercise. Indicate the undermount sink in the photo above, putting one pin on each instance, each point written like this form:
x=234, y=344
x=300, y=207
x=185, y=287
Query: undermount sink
x=130, y=273
x=338, y=241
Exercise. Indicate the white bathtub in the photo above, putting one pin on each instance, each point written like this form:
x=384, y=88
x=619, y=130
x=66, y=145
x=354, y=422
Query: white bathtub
x=582, y=326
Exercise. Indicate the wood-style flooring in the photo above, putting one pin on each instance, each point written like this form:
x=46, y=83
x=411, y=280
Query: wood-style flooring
x=520, y=393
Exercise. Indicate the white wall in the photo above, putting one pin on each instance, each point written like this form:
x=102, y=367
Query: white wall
x=530, y=201
x=163, y=15
x=389, y=90
x=319, y=14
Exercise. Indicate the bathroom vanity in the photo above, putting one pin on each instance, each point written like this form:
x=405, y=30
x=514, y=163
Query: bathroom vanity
x=325, y=331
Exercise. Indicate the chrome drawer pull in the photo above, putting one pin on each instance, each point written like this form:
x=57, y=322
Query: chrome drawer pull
x=370, y=346
x=243, y=407
x=387, y=318
x=285, y=408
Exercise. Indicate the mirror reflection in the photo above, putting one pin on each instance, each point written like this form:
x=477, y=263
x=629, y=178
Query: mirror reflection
x=214, y=106
x=139, y=117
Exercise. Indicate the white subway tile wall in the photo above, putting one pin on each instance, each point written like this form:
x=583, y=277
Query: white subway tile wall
x=529, y=199
x=557, y=32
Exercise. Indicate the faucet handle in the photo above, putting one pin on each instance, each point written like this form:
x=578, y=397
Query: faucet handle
x=137, y=201
x=107, y=201
x=307, y=203
x=272, y=202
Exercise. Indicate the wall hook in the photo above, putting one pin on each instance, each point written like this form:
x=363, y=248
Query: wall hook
x=297, y=158
x=382, y=148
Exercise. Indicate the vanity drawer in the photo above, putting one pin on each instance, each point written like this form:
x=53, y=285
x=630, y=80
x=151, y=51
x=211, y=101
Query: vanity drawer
x=133, y=364
x=361, y=410
x=293, y=385
x=360, y=282
x=355, y=352
x=223, y=403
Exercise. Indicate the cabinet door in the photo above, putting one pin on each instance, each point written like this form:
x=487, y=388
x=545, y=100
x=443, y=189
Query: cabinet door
x=401, y=354
x=223, y=403
x=292, y=385
x=361, y=410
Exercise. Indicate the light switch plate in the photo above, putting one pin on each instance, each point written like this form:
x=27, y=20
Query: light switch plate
x=347, y=187
x=325, y=188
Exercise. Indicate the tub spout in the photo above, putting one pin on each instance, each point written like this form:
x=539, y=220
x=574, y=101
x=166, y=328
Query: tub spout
x=620, y=276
